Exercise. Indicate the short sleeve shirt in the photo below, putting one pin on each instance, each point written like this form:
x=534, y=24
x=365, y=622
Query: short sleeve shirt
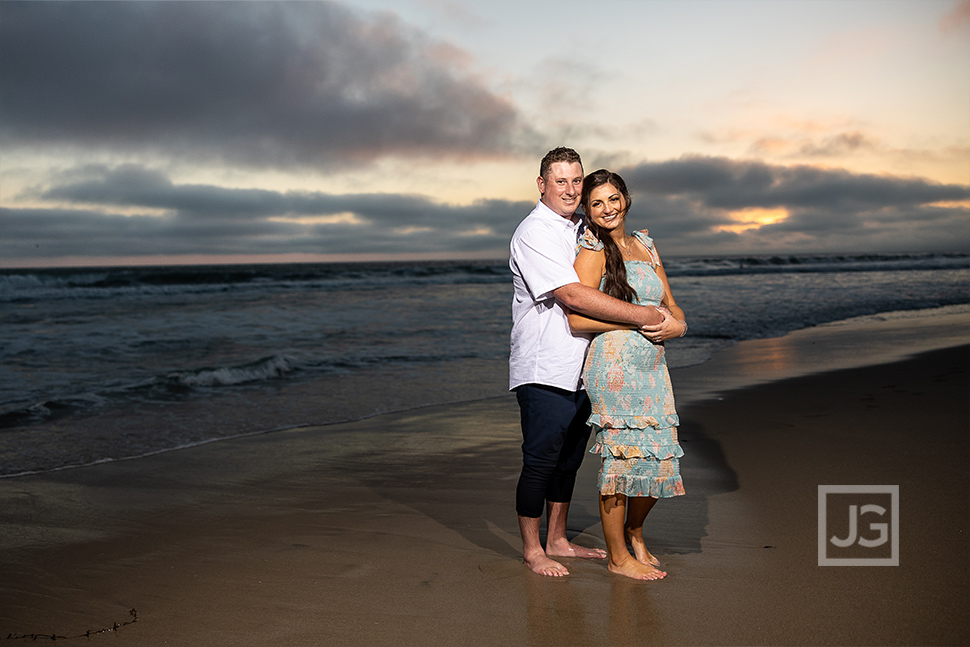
x=543, y=349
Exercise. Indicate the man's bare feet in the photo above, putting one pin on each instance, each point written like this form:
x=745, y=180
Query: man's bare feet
x=542, y=565
x=644, y=556
x=636, y=570
x=564, y=548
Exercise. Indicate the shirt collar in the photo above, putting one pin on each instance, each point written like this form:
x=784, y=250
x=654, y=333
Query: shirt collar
x=549, y=214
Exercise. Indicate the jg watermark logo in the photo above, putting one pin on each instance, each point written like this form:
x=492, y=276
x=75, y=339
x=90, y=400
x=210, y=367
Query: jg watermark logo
x=858, y=525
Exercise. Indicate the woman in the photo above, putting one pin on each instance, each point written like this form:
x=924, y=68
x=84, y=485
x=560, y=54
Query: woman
x=626, y=376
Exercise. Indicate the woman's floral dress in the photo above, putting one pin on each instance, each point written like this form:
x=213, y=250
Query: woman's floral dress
x=634, y=417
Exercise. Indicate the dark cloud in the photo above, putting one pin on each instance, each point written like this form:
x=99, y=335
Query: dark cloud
x=688, y=199
x=724, y=183
x=135, y=186
x=199, y=219
x=53, y=233
x=254, y=83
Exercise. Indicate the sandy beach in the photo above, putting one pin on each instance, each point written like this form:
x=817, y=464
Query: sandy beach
x=399, y=529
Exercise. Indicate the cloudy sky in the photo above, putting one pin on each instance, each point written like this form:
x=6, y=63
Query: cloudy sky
x=144, y=132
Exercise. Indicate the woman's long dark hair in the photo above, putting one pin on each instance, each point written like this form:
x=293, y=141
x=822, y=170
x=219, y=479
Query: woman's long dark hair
x=615, y=281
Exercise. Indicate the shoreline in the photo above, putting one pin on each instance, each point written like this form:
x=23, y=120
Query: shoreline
x=398, y=529
x=895, y=335
x=838, y=345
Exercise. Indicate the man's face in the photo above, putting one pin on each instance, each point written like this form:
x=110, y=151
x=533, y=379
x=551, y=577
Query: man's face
x=562, y=187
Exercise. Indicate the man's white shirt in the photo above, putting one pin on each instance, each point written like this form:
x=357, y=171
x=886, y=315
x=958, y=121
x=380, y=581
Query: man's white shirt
x=543, y=349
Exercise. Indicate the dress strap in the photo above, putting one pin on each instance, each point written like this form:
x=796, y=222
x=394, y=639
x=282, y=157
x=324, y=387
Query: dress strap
x=590, y=241
x=643, y=237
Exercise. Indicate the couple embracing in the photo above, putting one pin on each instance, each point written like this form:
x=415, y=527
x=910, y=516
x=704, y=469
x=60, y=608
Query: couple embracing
x=575, y=280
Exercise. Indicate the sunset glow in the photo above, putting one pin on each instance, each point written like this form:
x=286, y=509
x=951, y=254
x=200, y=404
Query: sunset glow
x=754, y=219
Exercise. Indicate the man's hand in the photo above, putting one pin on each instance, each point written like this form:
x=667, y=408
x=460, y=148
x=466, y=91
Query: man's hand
x=651, y=316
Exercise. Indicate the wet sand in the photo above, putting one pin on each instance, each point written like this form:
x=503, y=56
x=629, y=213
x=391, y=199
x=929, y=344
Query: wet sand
x=399, y=529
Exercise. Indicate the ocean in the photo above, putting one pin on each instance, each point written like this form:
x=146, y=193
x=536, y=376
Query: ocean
x=101, y=364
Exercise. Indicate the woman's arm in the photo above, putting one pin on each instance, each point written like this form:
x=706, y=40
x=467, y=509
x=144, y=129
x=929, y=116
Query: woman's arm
x=670, y=327
x=590, y=266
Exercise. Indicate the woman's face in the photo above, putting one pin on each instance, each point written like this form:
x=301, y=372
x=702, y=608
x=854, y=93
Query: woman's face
x=607, y=208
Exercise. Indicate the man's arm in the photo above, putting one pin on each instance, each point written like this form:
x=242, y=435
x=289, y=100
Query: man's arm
x=593, y=303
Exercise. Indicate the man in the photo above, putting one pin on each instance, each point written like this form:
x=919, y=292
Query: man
x=546, y=359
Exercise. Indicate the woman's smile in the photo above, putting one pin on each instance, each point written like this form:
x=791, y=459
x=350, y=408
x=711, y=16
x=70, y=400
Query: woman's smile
x=607, y=207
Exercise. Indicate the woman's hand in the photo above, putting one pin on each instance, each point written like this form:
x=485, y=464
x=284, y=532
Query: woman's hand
x=669, y=328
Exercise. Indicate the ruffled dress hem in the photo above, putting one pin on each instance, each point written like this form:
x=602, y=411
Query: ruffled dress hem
x=642, y=486
x=623, y=452
x=635, y=423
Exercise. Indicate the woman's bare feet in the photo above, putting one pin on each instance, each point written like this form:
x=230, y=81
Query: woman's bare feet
x=634, y=537
x=636, y=570
x=564, y=548
x=541, y=564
